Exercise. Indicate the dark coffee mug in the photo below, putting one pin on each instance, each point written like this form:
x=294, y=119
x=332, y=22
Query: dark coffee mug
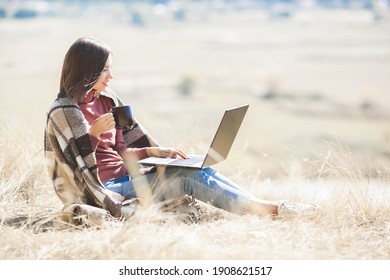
x=123, y=116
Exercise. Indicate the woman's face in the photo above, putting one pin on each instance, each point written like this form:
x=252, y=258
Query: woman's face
x=105, y=77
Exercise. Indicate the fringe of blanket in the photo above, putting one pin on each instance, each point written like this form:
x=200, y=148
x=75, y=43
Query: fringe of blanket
x=184, y=209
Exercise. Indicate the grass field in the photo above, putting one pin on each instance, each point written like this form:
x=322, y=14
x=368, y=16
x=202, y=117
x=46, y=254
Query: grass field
x=317, y=131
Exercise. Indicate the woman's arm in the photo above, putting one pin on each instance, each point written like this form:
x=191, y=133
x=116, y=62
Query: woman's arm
x=141, y=153
x=165, y=152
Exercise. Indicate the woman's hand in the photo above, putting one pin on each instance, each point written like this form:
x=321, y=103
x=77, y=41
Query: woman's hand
x=102, y=124
x=165, y=152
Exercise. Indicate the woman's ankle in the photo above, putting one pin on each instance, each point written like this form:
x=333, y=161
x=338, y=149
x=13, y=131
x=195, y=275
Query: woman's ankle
x=262, y=209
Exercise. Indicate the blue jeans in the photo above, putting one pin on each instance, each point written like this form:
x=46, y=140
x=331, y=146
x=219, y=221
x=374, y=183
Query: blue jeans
x=206, y=185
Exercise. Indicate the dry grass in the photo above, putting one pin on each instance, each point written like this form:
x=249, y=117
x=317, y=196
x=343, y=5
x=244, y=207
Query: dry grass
x=354, y=223
x=288, y=147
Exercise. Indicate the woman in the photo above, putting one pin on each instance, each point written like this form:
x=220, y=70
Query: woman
x=87, y=155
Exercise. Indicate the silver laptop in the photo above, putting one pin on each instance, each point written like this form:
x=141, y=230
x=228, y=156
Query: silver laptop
x=219, y=148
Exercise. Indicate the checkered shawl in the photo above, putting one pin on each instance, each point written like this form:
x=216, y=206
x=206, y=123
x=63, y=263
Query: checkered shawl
x=71, y=161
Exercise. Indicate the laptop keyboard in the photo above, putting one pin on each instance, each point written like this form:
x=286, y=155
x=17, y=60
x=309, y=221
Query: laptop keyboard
x=187, y=162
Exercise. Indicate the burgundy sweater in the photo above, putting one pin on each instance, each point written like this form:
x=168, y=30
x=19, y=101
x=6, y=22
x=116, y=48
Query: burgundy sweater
x=110, y=143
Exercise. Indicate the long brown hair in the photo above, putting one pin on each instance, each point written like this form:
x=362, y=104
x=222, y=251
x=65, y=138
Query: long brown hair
x=83, y=64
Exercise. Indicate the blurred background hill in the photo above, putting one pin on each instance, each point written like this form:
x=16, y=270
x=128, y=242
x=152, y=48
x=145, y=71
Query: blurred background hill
x=143, y=12
x=315, y=72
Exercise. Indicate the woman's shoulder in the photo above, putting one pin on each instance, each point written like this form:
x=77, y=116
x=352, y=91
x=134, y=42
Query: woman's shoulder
x=60, y=104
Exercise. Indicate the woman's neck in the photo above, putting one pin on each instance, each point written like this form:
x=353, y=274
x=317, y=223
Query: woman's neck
x=89, y=97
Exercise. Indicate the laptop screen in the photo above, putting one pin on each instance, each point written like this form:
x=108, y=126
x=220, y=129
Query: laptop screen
x=225, y=135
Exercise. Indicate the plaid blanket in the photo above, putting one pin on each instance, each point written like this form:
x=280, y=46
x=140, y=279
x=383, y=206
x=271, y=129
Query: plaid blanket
x=71, y=160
